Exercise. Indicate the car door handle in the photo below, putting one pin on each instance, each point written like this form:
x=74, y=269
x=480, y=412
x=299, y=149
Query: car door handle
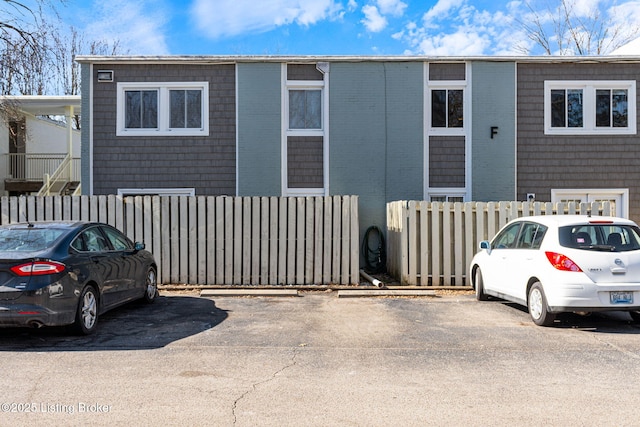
x=97, y=258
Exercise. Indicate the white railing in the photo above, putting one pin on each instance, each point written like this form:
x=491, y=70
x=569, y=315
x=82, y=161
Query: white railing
x=67, y=171
x=431, y=244
x=32, y=167
x=210, y=240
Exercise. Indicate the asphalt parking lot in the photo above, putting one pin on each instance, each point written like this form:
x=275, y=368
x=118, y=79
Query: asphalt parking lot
x=318, y=360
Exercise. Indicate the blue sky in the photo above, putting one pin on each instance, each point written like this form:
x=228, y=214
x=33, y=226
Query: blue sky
x=322, y=27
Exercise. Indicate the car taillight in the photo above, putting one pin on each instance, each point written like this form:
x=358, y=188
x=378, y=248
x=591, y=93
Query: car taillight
x=38, y=268
x=562, y=262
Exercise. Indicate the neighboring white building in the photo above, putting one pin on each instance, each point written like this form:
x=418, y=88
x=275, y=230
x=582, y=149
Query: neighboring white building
x=33, y=145
x=631, y=48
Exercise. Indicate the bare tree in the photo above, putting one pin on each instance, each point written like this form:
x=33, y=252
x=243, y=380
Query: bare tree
x=37, y=52
x=561, y=29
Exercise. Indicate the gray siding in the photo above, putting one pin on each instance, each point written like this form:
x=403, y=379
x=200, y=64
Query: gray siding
x=205, y=163
x=446, y=161
x=548, y=162
x=85, y=136
x=376, y=134
x=259, y=129
x=447, y=71
x=303, y=72
x=305, y=162
x=493, y=104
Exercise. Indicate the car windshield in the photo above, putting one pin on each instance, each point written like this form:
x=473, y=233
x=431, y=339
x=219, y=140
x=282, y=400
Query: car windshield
x=601, y=237
x=27, y=239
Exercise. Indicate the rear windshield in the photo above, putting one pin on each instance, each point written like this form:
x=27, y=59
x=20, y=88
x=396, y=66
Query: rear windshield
x=601, y=237
x=27, y=239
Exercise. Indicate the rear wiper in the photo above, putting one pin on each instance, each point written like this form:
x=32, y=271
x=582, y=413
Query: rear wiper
x=604, y=248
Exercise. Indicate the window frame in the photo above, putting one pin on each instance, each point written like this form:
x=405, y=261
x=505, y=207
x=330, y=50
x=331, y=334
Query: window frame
x=164, y=108
x=589, y=106
x=305, y=85
x=448, y=85
x=177, y=191
x=323, y=87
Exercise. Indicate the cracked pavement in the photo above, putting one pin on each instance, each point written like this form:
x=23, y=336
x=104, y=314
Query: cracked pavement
x=319, y=360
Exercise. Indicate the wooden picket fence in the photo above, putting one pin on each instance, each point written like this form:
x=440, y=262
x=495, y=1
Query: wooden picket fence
x=207, y=240
x=432, y=243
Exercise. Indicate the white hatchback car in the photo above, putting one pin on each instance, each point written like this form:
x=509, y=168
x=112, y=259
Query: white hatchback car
x=562, y=263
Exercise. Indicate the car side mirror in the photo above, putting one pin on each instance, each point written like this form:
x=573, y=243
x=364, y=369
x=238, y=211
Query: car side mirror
x=139, y=246
x=485, y=244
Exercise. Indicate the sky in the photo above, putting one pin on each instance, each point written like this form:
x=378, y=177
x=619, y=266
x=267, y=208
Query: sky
x=325, y=27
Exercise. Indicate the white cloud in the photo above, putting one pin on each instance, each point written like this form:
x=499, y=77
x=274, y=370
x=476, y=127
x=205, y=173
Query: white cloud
x=460, y=43
x=233, y=17
x=138, y=26
x=441, y=11
x=391, y=7
x=373, y=21
x=456, y=27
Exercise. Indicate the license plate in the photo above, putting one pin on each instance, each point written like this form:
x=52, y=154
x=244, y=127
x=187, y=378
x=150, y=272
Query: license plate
x=621, y=297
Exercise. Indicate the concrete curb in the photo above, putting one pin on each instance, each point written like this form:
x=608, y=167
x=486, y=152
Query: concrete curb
x=342, y=293
x=385, y=292
x=243, y=292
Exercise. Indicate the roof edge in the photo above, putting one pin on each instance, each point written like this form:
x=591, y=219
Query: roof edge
x=232, y=59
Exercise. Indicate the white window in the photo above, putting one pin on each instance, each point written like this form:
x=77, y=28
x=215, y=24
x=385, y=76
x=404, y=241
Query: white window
x=150, y=109
x=156, y=192
x=305, y=137
x=447, y=107
x=590, y=107
x=451, y=196
x=618, y=198
x=305, y=107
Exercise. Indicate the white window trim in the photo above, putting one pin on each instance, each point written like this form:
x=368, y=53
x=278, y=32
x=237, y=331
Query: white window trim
x=465, y=131
x=589, y=88
x=156, y=191
x=305, y=85
x=449, y=85
x=287, y=85
x=576, y=193
x=163, y=109
x=448, y=192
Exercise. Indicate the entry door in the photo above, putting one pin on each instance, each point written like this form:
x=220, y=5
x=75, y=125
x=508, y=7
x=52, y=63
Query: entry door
x=617, y=198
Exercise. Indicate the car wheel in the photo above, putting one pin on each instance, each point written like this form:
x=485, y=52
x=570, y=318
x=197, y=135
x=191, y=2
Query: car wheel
x=87, y=313
x=635, y=315
x=479, y=285
x=151, y=286
x=537, y=305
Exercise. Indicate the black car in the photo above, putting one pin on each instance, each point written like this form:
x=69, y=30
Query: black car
x=68, y=273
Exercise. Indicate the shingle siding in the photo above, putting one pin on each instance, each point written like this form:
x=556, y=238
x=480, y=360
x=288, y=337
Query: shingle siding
x=446, y=161
x=204, y=163
x=305, y=162
x=447, y=71
x=303, y=72
x=547, y=162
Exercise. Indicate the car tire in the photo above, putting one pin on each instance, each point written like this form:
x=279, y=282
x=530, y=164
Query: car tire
x=537, y=305
x=479, y=286
x=635, y=315
x=150, y=286
x=87, y=313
